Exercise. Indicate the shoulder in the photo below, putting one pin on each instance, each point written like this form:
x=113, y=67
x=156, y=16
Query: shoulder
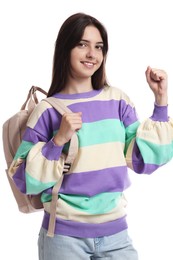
x=40, y=108
x=42, y=111
x=116, y=93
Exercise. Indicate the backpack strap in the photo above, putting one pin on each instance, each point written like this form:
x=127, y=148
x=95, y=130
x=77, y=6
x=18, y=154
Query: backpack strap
x=58, y=105
x=72, y=152
x=52, y=219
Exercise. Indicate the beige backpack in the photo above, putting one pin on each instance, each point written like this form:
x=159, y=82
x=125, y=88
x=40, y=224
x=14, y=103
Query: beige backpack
x=12, y=133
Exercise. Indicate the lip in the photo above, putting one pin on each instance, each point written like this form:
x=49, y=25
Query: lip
x=88, y=64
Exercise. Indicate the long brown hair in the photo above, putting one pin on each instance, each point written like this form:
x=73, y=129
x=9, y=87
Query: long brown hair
x=68, y=37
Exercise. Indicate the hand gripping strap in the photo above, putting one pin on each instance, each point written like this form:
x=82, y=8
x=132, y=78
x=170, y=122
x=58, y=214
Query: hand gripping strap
x=72, y=152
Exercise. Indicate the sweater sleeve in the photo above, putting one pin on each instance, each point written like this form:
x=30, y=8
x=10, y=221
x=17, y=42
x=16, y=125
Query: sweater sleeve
x=38, y=162
x=151, y=146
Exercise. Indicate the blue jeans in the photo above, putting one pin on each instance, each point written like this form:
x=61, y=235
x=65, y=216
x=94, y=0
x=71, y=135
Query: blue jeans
x=115, y=247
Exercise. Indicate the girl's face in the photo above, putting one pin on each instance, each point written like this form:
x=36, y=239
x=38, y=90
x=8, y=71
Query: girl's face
x=87, y=56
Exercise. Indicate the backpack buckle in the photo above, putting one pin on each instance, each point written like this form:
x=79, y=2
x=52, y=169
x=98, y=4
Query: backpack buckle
x=67, y=167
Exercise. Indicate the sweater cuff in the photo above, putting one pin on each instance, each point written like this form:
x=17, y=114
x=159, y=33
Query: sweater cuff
x=52, y=151
x=160, y=113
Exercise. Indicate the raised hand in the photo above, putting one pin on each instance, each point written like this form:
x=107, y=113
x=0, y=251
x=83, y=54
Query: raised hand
x=158, y=82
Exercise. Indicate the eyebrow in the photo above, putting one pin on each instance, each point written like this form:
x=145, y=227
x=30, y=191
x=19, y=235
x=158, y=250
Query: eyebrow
x=83, y=40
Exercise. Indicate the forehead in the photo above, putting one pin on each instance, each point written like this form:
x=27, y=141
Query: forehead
x=92, y=34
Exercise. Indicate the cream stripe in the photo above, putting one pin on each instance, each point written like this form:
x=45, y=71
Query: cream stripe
x=129, y=154
x=67, y=212
x=89, y=159
x=155, y=132
x=42, y=169
x=100, y=156
x=130, y=149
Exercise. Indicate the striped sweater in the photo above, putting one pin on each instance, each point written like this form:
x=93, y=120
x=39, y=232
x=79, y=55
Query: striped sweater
x=91, y=201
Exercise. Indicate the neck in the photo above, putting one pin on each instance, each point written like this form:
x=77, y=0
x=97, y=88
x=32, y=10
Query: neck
x=74, y=87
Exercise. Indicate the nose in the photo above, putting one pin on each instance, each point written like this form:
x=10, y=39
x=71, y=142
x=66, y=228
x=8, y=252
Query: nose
x=90, y=53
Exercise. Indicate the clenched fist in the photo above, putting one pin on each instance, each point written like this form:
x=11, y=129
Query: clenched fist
x=158, y=82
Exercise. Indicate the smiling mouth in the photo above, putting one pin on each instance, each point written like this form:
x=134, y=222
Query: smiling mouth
x=88, y=64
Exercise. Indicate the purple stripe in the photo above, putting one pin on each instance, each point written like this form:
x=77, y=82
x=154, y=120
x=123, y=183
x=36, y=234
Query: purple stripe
x=160, y=113
x=91, y=183
x=111, y=109
x=32, y=136
x=138, y=163
x=79, y=229
x=47, y=123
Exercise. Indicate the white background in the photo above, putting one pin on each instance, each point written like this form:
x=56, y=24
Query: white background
x=140, y=34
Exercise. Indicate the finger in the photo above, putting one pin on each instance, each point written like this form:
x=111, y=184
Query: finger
x=72, y=117
x=157, y=75
x=147, y=73
x=73, y=121
x=78, y=114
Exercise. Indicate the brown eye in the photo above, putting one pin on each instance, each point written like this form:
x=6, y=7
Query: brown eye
x=82, y=44
x=99, y=47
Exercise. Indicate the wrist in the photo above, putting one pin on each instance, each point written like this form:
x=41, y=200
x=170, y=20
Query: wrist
x=58, y=140
x=161, y=100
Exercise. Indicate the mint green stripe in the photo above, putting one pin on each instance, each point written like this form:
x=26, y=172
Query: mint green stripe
x=154, y=153
x=34, y=186
x=130, y=133
x=23, y=150
x=99, y=204
x=46, y=197
x=110, y=130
